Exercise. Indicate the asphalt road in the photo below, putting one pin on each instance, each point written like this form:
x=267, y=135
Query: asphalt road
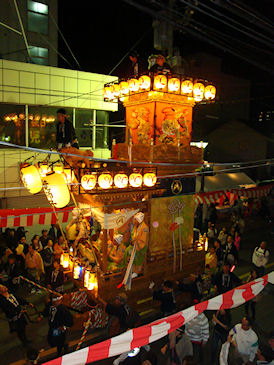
x=12, y=352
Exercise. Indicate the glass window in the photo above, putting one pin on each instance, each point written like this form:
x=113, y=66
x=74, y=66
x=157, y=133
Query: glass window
x=102, y=118
x=42, y=126
x=37, y=7
x=39, y=55
x=83, y=127
x=12, y=124
x=37, y=22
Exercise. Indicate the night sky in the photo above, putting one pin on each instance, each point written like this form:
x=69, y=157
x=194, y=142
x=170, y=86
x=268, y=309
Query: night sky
x=100, y=33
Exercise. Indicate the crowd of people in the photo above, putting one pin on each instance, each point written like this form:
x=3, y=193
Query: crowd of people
x=39, y=261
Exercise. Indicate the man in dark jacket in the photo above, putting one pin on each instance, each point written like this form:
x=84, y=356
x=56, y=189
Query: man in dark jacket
x=56, y=280
x=11, y=306
x=166, y=297
x=60, y=319
x=225, y=280
x=195, y=287
x=65, y=135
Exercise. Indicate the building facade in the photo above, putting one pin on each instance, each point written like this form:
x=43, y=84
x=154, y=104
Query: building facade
x=29, y=97
x=32, y=24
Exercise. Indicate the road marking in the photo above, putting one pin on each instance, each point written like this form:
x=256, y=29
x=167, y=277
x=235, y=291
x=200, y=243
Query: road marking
x=144, y=300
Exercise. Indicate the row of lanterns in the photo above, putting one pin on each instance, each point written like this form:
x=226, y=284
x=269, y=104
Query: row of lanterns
x=160, y=83
x=90, y=279
x=53, y=181
x=120, y=181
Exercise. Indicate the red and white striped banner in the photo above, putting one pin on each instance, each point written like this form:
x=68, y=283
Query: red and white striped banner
x=154, y=331
x=30, y=216
x=232, y=194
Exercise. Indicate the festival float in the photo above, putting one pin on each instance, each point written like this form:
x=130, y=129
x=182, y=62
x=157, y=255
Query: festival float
x=141, y=202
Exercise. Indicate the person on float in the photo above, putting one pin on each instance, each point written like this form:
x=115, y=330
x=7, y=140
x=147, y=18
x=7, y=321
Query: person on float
x=116, y=254
x=60, y=319
x=161, y=66
x=11, y=306
x=65, y=133
x=139, y=239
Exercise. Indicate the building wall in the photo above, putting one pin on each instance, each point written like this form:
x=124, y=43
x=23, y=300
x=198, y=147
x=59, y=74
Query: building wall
x=12, y=45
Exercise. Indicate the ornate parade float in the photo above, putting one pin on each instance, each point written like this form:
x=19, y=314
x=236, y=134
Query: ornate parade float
x=140, y=203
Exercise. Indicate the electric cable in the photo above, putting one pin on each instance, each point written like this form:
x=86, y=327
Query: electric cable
x=50, y=152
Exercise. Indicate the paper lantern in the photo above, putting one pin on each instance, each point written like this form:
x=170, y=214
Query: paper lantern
x=92, y=283
x=160, y=82
x=135, y=180
x=58, y=168
x=145, y=82
x=69, y=175
x=120, y=180
x=198, y=91
x=44, y=169
x=88, y=182
x=150, y=179
x=124, y=88
x=56, y=189
x=173, y=85
x=108, y=93
x=133, y=85
x=210, y=92
x=31, y=179
x=115, y=90
x=64, y=260
x=76, y=271
x=186, y=87
x=105, y=181
x=86, y=278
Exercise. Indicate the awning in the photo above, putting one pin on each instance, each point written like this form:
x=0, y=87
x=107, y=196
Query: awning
x=30, y=216
x=232, y=194
x=225, y=181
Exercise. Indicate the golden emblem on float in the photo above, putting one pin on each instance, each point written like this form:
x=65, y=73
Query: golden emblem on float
x=31, y=179
x=135, y=180
x=150, y=179
x=88, y=182
x=176, y=187
x=120, y=181
x=105, y=181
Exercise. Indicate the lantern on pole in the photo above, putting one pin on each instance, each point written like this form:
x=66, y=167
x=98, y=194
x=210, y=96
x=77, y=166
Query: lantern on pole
x=69, y=175
x=105, y=181
x=31, y=179
x=186, y=87
x=160, y=82
x=133, y=85
x=115, y=90
x=145, y=83
x=124, y=88
x=120, y=181
x=56, y=189
x=76, y=271
x=44, y=169
x=64, y=260
x=135, y=180
x=108, y=93
x=88, y=181
x=150, y=179
x=173, y=85
x=210, y=92
x=58, y=168
x=198, y=91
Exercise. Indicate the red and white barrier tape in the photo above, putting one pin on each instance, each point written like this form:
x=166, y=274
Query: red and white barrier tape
x=154, y=331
